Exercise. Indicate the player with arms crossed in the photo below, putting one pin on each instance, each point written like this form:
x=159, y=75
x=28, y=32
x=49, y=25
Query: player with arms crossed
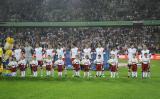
x=22, y=66
x=87, y=64
x=113, y=66
x=115, y=52
x=74, y=52
x=61, y=51
x=145, y=65
x=34, y=66
x=49, y=65
x=100, y=51
x=134, y=62
x=147, y=52
x=39, y=57
x=131, y=52
x=99, y=66
x=50, y=52
x=60, y=66
x=76, y=66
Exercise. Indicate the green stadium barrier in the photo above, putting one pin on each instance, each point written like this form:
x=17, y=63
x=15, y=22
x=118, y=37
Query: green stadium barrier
x=78, y=24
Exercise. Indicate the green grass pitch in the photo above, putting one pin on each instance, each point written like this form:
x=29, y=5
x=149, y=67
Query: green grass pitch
x=80, y=88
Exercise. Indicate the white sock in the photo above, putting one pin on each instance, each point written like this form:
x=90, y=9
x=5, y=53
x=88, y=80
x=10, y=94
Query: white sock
x=117, y=74
x=41, y=72
x=129, y=73
x=132, y=74
x=35, y=73
x=53, y=72
x=24, y=73
x=49, y=72
x=135, y=74
x=78, y=73
x=84, y=74
x=111, y=74
x=100, y=73
x=114, y=74
x=88, y=74
x=58, y=73
x=146, y=74
x=74, y=72
x=97, y=73
x=61, y=74
x=143, y=74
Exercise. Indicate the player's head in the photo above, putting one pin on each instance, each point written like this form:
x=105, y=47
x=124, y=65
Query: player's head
x=37, y=45
x=49, y=57
x=132, y=46
x=26, y=44
x=144, y=47
x=99, y=45
x=49, y=46
x=99, y=56
x=60, y=57
x=86, y=46
x=13, y=58
x=114, y=48
x=34, y=57
x=146, y=55
x=134, y=55
x=73, y=45
x=112, y=56
x=87, y=57
x=17, y=46
x=77, y=56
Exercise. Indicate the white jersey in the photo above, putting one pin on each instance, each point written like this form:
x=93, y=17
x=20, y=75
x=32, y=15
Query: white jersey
x=49, y=52
x=34, y=62
x=145, y=60
x=86, y=62
x=22, y=62
x=74, y=52
x=134, y=61
x=87, y=51
x=145, y=51
x=48, y=61
x=131, y=52
x=59, y=62
x=17, y=54
x=60, y=52
x=76, y=61
x=38, y=52
x=13, y=64
x=113, y=62
x=98, y=61
x=99, y=51
x=115, y=53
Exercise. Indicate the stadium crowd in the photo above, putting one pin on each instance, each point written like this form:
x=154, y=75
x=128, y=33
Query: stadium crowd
x=107, y=37
x=78, y=10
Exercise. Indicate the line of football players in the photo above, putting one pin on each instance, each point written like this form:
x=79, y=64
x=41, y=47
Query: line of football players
x=44, y=58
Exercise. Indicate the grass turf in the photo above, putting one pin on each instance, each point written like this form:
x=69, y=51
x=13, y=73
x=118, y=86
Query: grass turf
x=80, y=88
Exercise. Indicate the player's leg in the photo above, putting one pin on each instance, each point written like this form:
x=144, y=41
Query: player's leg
x=96, y=73
x=78, y=73
x=100, y=73
x=52, y=72
x=84, y=74
x=49, y=72
x=88, y=74
x=129, y=70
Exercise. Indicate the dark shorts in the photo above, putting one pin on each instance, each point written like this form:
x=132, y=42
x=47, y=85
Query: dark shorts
x=99, y=67
x=134, y=67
